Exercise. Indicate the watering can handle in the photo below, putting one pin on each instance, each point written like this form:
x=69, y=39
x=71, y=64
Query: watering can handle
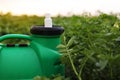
x=15, y=36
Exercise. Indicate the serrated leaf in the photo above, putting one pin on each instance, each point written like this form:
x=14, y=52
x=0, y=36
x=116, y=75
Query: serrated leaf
x=70, y=42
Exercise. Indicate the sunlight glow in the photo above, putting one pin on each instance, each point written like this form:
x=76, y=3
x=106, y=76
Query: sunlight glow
x=54, y=7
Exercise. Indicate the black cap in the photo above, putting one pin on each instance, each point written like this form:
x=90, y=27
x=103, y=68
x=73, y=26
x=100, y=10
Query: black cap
x=41, y=30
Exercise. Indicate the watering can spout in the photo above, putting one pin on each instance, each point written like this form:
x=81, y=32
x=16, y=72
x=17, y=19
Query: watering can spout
x=48, y=21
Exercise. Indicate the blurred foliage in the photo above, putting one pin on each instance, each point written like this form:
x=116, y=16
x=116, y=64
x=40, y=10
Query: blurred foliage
x=90, y=44
x=18, y=24
x=91, y=47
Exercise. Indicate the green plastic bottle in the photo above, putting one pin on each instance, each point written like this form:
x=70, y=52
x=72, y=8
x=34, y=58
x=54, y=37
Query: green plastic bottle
x=38, y=58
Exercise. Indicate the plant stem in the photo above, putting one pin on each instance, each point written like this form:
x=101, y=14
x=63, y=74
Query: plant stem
x=111, y=72
x=71, y=61
x=73, y=66
x=82, y=66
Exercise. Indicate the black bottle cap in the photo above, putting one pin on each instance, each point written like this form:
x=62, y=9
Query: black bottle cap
x=41, y=30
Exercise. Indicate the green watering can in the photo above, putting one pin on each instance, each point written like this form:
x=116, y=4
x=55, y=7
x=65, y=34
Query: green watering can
x=38, y=58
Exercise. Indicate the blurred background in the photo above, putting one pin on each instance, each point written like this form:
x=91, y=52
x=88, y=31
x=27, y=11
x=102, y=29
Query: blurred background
x=61, y=7
x=93, y=26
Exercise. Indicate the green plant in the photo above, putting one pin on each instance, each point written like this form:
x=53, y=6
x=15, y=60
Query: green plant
x=93, y=47
x=94, y=43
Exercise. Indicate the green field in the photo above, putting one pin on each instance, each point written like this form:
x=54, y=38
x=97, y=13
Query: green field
x=90, y=44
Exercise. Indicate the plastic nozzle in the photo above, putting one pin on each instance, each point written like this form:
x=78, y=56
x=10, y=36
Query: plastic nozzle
x=47, y=21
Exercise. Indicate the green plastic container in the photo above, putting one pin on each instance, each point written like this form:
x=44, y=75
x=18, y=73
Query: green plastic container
x=38, y=58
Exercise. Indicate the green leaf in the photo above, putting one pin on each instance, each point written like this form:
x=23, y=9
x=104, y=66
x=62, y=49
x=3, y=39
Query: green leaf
x=117, y=39
x=62, y=51
x=102, y=64
x=61, y=46
x=64, y=39
x=70, y=42
x=117, y=56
